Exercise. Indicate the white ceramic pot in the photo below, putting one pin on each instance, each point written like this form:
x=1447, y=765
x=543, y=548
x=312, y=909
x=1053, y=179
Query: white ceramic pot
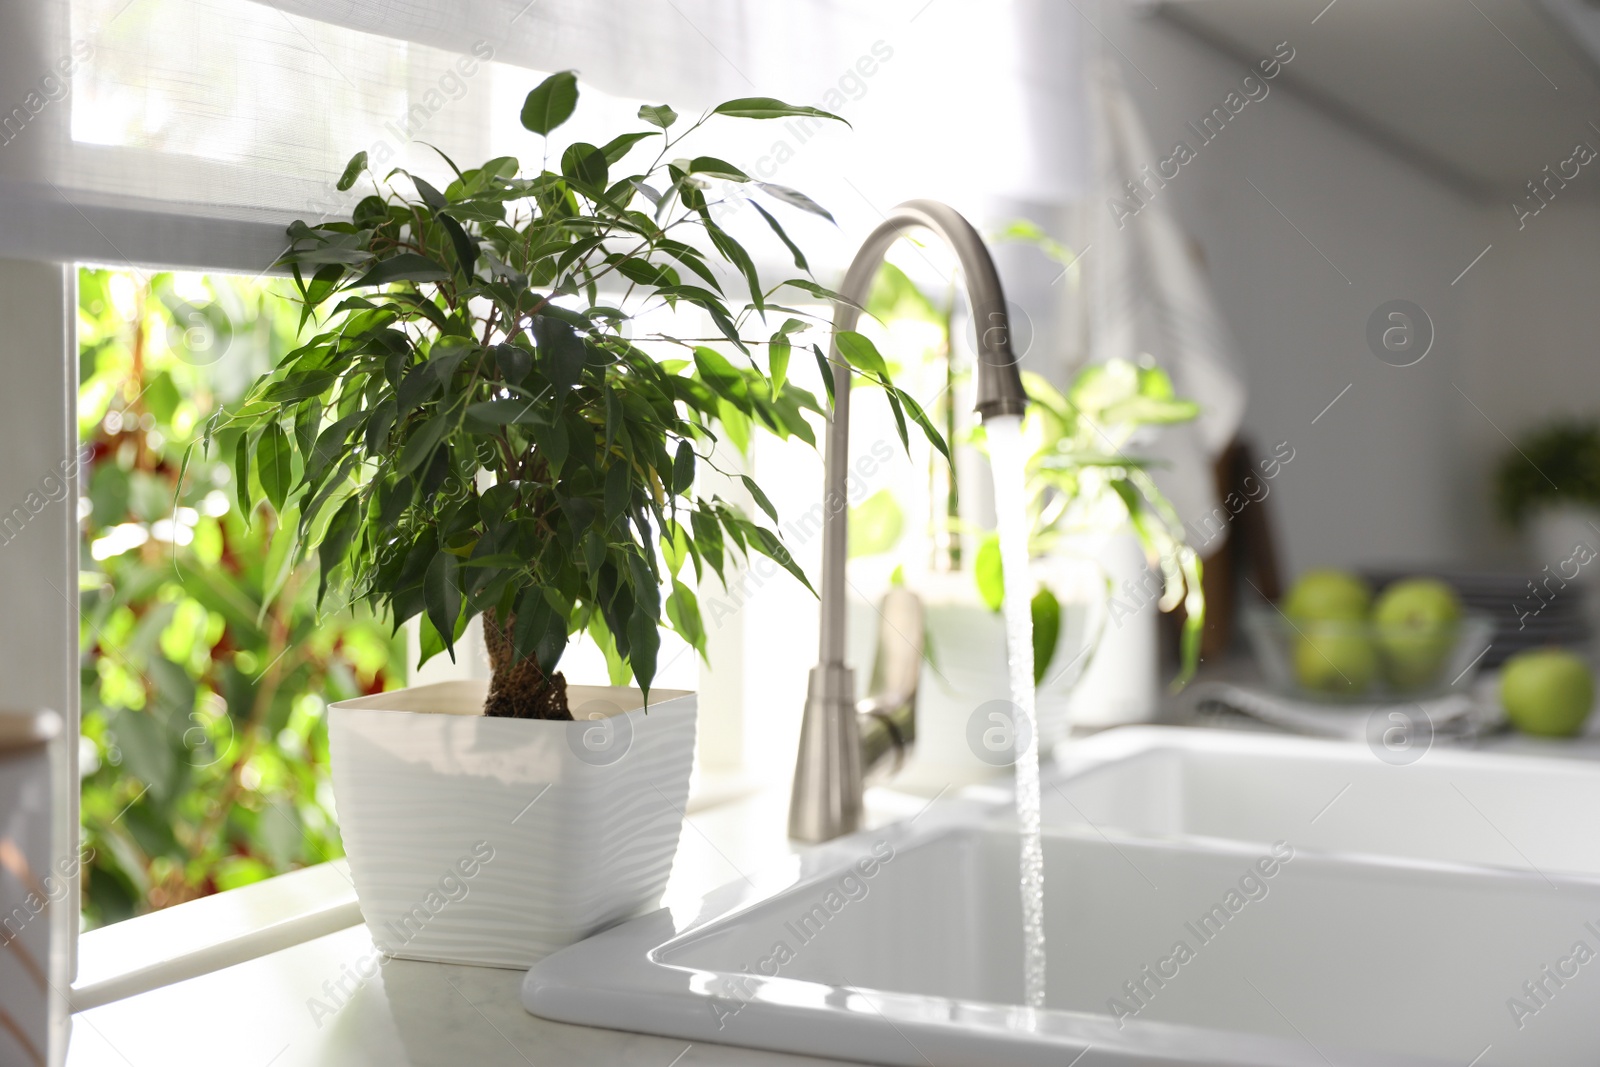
x=497, y=841
x=965, y=684
x=1556, y=532
x=1121, y=684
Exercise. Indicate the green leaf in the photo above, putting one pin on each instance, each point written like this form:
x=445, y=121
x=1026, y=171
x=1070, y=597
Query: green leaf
x=1046, y=612
x=821, y=292
x=619, y=489
x=734, y=253
x=305, y=426
x=539, y=630
x=683, y=469
x=420, y=446
x=241, y=476
x=273, y=464
x=560, y=352
x=321, y=287
x=825, y=368
x=861, y=353
x=778, y=352
x=715, y=370
x=430, y=196
x=692, y=258
x=658, y=115
x=641, y=270
x=767, y=543
x=329, y=446
x=989, y=574
x=616, y=665
x=675, y=546
x=505, y=412
x=644, y=644
x=552, y=442
x=766, y=107
x=717, y=168
x=618, y=147
x=514, y=362
x=898, y=410
x=585, y=166
x=441, y=594
x=352, y=171
x=736, y=424
x=405, y=267
x=466, y=248
x=382, y=421
x=298, y=386
x=683, y=611
x=341, y=531
x=794, y=249
x=759, y=497
x=551, y=102
x=920, y=417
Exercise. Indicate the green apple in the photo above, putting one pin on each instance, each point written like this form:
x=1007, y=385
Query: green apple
x=1335, y=658
x=1547, y=692
x=1327, y=594
x=1416, y=627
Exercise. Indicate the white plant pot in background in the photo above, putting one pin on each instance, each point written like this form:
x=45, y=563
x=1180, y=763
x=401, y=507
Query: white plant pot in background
x=1554, y=532
x=496, y=841
x=965, y=670
x=1561, y=537
x=1123, y=680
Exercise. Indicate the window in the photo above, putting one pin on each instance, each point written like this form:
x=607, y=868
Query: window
x=206, y=663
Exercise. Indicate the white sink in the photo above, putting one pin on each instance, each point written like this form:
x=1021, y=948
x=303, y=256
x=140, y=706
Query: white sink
x=1451, y=806
x=1380, y=915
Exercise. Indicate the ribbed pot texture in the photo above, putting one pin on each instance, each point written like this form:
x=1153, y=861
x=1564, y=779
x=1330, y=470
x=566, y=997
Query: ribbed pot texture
x=496, y=841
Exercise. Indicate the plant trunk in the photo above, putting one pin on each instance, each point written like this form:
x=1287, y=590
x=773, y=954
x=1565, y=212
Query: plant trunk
x=518, y=689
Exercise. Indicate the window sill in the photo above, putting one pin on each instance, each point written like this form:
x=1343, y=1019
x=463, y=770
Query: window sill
x=205, y=935
x=189, y=940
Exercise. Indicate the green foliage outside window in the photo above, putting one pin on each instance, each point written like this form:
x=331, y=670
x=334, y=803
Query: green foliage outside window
x=205, y=667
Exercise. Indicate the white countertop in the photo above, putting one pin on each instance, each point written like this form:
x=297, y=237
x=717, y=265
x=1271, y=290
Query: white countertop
x=284, y=1010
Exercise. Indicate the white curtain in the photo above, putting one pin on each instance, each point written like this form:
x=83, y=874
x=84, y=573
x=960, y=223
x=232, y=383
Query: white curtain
x=189, y=132
x=1148, y=295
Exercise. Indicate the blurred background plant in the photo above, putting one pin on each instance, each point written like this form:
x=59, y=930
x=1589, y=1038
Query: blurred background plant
x=1554, y=464
x=205, y=667
x=1085, y=477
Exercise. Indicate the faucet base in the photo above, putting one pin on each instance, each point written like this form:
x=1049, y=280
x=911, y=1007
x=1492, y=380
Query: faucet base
x=827, y=797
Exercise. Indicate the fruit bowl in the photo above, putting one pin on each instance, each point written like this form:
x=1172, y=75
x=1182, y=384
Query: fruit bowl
x=1364, y=660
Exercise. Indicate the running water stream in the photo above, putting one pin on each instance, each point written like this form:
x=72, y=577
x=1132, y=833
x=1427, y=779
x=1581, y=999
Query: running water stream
x=1007, y=459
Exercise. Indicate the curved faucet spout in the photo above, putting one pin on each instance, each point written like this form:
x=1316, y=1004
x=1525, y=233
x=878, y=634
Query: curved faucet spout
x=827, y=797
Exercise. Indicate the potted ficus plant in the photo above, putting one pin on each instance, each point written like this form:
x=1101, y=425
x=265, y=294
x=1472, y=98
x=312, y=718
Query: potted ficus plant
x=475, y=430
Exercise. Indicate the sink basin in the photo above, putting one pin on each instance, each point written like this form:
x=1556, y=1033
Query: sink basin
x=1211, y=898
x=1521, y=812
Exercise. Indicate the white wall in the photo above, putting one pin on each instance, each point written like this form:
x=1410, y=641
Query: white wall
x=1379, y=476
x=1535, y=351
x=39, y=558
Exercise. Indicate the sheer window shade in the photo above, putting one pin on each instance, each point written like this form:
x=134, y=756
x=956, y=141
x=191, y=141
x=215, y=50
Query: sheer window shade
x=190, y=132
